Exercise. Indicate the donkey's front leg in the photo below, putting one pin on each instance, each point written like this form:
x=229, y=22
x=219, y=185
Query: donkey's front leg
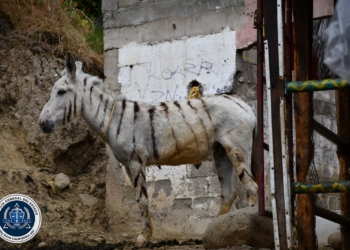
x=141, y=196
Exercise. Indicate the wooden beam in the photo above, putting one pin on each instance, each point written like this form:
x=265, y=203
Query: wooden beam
x=329, y=215
x=328, y=134
x=258, y=150
x=277, y=92
x=342, y=100
x=303, y=110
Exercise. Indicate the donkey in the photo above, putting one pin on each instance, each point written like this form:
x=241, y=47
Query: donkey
x=167, y=133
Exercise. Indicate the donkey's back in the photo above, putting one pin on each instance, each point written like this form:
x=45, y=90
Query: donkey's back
x=180, y=132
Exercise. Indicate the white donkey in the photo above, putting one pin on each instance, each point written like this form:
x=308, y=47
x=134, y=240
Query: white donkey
x=167, y=133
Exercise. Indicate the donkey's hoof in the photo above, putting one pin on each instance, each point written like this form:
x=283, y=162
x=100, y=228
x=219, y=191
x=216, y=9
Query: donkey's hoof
x=141, y=241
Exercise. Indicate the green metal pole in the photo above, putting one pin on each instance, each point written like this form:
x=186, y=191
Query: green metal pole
x=315, y=85
x=321, y=187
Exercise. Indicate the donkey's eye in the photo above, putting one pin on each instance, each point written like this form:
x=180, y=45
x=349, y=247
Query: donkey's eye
x=61, y=92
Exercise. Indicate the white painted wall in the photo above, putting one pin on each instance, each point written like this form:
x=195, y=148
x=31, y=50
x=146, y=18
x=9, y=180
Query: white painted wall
x=183, y=200
x=324, y=228
x=161, y=72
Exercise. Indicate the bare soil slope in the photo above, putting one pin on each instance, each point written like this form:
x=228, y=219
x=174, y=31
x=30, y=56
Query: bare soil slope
x=29, y=157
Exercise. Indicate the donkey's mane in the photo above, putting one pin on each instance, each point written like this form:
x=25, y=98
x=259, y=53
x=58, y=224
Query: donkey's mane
x=95, y=81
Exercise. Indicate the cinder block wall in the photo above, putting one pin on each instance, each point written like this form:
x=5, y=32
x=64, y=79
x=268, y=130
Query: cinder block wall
x=183, y=200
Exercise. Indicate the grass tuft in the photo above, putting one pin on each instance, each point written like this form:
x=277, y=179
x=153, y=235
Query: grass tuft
x=54, y=23
x=95, y=39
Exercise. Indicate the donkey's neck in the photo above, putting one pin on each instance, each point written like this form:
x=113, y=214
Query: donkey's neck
x=96, y=108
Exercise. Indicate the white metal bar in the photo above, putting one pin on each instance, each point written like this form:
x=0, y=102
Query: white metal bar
x=280, y=38
x=272, y=168
x=285, y=168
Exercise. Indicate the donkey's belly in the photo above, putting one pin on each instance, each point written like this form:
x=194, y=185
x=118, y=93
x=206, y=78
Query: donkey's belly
x=193, y=156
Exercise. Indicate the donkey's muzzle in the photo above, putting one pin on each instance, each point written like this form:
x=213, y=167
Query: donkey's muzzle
x=47, y=126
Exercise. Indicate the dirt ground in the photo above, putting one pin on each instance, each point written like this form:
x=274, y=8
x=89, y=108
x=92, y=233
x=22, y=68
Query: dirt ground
x=28, y=157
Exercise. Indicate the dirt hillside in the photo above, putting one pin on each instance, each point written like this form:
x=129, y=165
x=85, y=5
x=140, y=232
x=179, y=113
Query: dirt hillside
x=28, y=157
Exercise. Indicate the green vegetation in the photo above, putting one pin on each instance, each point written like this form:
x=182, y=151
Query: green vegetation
x=85, y=13
x=69, y=25
x=95, y=39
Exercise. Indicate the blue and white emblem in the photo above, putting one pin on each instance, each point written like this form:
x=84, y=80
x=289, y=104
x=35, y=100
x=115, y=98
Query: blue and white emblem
x=20, y=218
x=16, y=218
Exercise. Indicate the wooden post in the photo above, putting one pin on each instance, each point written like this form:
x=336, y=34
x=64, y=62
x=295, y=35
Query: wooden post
x=258, y=150
x=342, y=98
x=277, y=91
x=303, y=110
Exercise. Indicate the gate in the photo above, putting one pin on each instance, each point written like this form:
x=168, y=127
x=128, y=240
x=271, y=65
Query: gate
x=285, y=45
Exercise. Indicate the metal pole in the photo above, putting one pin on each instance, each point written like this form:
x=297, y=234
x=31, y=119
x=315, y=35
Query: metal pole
x=315, y=85
x=284, y=137
x=277, y=91
x=286, y=183
x=289, y=98
x=289, y=103
x=260, y=107
x=272, y=168
x=321, y=187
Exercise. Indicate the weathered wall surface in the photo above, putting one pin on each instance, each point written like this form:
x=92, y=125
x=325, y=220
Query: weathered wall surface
x=161, y=72
x=159, y=21
x=325, y=158
x=152, y=50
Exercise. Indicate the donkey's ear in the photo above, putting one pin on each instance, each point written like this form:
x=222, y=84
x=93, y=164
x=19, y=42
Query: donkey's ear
x=70, y=65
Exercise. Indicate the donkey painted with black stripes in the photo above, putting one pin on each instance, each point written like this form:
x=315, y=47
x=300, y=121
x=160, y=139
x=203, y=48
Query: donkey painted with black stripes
x=167, y=133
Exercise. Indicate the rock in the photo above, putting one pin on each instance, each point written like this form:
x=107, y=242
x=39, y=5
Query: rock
x=42, y=244
x=29, y=78
x=54, y=227
x=334, y=241
x=3, y=68
x=239, y=227
x=245, y=247
x=92, y=188
x=61, y=181
x=88, y=200
x=98, y=239
x=72, y=233
x=37, y=50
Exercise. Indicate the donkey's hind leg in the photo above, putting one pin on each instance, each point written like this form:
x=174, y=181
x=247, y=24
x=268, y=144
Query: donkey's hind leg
x=225, y=173
x=137, y=172
x=237, y=155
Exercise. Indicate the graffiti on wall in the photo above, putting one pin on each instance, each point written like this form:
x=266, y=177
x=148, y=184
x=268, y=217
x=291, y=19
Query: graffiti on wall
x=161, y=72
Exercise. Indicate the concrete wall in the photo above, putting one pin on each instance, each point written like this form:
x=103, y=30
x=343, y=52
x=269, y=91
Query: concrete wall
x=152, y=50
x=161, y=72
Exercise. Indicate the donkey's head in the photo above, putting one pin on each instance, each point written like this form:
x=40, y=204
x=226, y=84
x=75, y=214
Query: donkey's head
x=64, y=102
